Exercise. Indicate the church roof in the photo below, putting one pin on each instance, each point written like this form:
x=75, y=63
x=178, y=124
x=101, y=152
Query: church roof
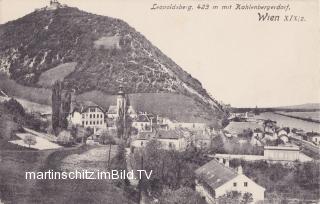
x=215, y=174
x=112, y=110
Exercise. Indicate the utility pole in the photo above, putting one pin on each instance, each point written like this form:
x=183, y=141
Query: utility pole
x=141, y=181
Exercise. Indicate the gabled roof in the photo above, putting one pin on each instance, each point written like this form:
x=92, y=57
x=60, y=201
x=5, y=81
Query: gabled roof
x=112, y=110
x=86, y=104
x=169, y=134
x=215, y=174
x=142, y=118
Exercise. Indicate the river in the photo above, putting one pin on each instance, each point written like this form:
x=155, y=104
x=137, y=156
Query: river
x=284, y=121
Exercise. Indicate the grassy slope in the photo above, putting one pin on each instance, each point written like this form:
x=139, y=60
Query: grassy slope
x=48, y=77
x=175, y=106
x=15, y=189
x=12, y=88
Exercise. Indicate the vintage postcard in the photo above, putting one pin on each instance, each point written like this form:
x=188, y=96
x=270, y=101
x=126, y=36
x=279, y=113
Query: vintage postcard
x=159, y=101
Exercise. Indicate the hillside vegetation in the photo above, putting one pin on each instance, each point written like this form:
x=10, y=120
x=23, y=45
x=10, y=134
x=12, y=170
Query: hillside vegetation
x=94, y=53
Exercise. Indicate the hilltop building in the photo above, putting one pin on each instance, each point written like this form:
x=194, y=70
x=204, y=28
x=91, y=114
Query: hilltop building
x=54, y=4
x=215, y=179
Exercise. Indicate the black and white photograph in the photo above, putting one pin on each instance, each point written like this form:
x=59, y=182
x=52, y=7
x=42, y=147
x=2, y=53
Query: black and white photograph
x=159, y=102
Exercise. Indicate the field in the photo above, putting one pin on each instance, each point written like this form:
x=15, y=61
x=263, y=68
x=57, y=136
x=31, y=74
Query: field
x=174, y=106
x=15, y=188
x=48, y=78
x=33, y=94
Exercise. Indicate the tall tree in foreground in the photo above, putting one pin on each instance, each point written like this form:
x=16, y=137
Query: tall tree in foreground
x=123, y=121
x=56, y=104
x=61, y=103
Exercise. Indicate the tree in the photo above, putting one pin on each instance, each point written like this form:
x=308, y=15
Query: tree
x=30, y=140
x=231, y=197
x=61, y=103
x=56, y=104
x=65, y=138
x=107, y=138
x=124, y=121
x=217, y=145
x=14, y=107
x=182, y=195
x=246, y=198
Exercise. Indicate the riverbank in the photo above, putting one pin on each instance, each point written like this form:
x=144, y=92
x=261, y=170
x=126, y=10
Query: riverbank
x=299, y=118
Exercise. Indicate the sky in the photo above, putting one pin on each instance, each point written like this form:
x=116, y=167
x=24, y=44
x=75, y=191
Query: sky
x=239, y=60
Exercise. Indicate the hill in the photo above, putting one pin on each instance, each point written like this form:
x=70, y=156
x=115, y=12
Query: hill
x=306, y=106
x=90, y=52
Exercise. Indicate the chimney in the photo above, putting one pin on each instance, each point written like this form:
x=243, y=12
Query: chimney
x=240, y=170
x=227, y=163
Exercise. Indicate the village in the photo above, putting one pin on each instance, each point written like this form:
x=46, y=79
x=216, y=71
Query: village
x=244, y=138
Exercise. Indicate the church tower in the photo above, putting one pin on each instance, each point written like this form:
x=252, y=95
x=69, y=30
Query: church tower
x=121, y=102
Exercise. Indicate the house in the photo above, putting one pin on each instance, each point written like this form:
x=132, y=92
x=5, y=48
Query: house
x=54, y=4
x=257, y=133
x=170, y=140
x=144, y=122
x=88, y=114
x=269, y=126
x=282, y=153
x=113, y=112
x=214, y=179
x=283, y=131
x=284, y=138
x=313, y=137
x=190, y=126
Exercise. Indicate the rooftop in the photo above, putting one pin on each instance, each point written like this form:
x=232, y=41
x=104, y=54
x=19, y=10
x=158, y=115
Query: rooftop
x=215, y=174
x=282, y=147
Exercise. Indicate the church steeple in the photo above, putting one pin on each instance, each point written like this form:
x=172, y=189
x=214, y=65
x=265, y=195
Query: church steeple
x=121, y=101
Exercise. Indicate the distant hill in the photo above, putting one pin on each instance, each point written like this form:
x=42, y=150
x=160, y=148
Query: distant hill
x=311, y=106
x=93, y=53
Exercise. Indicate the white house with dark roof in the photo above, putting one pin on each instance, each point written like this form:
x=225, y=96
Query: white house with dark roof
x=169, y=139
x=88, y=114
x=214, y=179
x=144, y=122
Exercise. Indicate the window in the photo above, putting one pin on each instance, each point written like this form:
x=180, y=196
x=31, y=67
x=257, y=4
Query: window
x=234, y=184
x=82, y=122
x=82, y=116
x=94, y=116
x=98, y=115
x=90, y=122
x=86, y=122
x=141, y=143
x=92, y=109
x=245, y=184
x=90, y=116
x=94, y=122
